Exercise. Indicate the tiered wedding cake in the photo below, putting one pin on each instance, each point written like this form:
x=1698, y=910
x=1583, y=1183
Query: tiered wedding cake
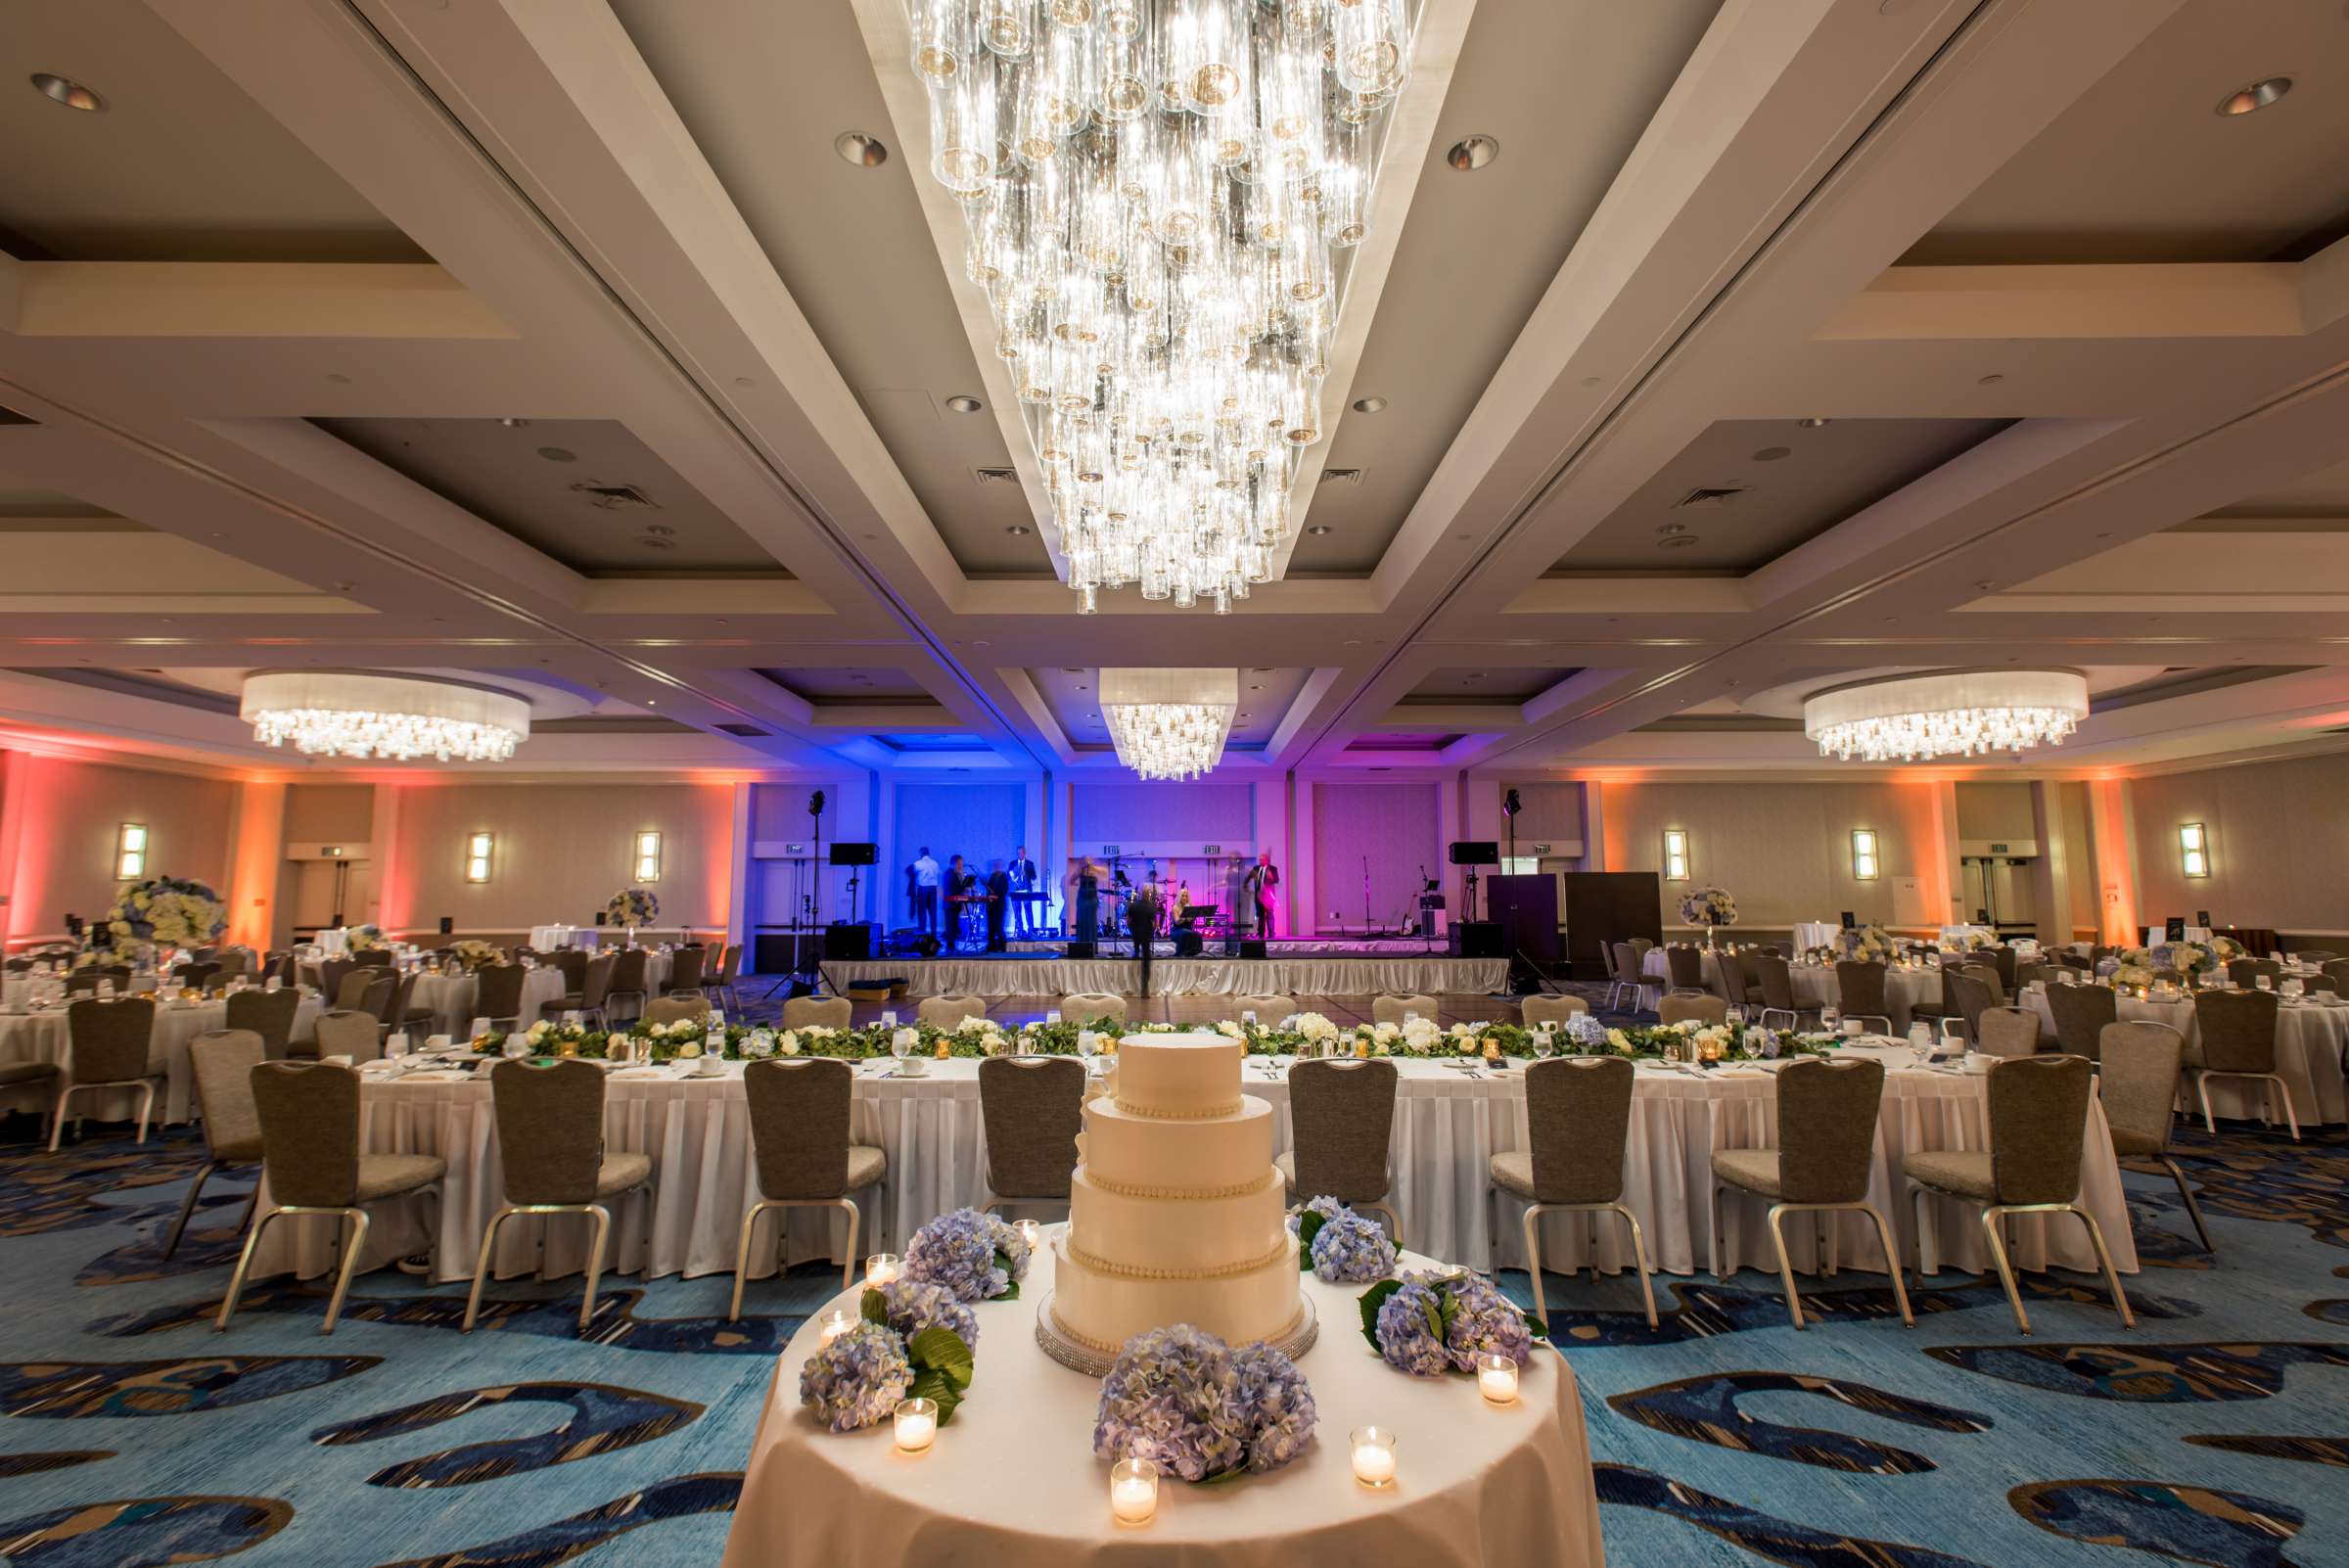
x=1176, y=1214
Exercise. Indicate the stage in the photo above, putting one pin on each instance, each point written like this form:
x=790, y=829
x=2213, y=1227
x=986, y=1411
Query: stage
x=1298, y=969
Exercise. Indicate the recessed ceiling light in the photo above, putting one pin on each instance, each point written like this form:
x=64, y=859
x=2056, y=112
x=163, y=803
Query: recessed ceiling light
x=558, y=454
x=1018, y=530
x=651, y=543
x=856, y=147
x=1676, y=541
x=1590, y=381
x=1669, y=528
x=1071, y=669
x=1814, y=424
x=1463, y=537
x=1991, y=379
x=661, y=528
x=2250, y=100
x=1369, y=405
x=72, y=93
x=338, y=377
x=1472, y=152
x=965, y=404
x=1318, y=529
x=514, y=424
x=1770, y=454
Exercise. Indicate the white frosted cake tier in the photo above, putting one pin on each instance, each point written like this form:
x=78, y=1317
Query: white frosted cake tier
x=1102, y=1310
x=1178, y=1076
x=1147, y=1154
x=1176, y=1237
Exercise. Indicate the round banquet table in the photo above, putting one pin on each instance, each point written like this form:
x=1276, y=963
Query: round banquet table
x=1495, y=1487
x=2310, y=1039
x=450, y=997
x=45, y=1037
x=1906, y=986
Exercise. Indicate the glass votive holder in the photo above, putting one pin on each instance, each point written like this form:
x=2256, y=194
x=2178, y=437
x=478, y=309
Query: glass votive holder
x=837, y=1322
x=1373, y=1455
x=917, y=1425
x=1032, y=1233
x=1497, y=1377
x=882, y=1268
x=1133, y=1491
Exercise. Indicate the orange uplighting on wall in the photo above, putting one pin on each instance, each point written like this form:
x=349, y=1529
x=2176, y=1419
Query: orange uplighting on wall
x=2108, y=812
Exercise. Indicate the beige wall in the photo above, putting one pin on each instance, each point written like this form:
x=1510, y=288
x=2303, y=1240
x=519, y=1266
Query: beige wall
x=329, y=814
x=1994, y=811
x=561, y=851
x=67, y=817
x=2278, y=844
x=2080, y=857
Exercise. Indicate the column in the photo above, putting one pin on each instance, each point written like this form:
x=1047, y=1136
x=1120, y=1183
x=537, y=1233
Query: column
x=1053, y=854
x=1594, y=825
x=738, y=855
x=1301, y=907
x=2050, y=873
x=254, y=863
x=388, y=886
x=16, y=786
x=1949, y=864
x=2112, y=833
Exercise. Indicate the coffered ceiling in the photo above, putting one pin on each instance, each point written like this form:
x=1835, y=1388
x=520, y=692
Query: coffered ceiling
x=1997, y=341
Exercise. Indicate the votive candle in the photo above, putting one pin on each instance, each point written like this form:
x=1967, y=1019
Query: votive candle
x=882, y=1268
x=1497, y=1378
x=1133, y=1490
x=1373, y=1455
x=837, y=1322
x=1032, y=1233
x=917, y=1425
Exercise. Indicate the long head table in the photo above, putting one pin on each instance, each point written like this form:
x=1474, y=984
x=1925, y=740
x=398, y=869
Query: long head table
x=1447, y=1126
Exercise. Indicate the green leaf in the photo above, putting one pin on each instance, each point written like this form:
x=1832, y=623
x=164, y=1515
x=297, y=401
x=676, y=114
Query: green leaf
x=1221, y=1476
x=1011, y=1291
x=1535, y=1326
x=1372, y=1300
x=934, y=1385
x=940, y=1349
x=871, y=1309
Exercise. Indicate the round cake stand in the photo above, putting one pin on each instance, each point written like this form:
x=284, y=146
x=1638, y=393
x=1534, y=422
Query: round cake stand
x=1293, y=1342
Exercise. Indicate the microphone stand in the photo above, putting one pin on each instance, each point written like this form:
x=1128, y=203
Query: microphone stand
x=1369, y=929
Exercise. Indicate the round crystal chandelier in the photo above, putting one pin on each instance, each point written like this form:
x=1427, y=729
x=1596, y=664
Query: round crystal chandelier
x=337, y=713
x=1170, y=724
x=1156, y=193
x=1954, y=713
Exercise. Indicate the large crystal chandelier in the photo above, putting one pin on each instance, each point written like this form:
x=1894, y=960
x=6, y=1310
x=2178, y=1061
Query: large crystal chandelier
x=1155, y=196
x=1170, y=724
x=1957, y=713
x=334, y=713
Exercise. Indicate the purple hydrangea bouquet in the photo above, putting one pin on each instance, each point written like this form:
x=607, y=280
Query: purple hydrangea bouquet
x=1187, y=1400
x=915, y=1342
x=1431, y=1323
x=974, y=1255
x=1340, y=1246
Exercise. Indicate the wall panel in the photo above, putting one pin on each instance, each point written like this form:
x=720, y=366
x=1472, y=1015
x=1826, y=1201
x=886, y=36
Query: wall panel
x=70, y=814
x=1393, y=827
x=2278, y=844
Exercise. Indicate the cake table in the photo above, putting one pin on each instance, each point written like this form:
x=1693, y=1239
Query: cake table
x=1013, y=1483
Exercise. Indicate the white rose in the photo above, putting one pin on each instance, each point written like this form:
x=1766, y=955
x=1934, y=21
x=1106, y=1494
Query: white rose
x=1419, y=1035
x=1386, y=1030
x=788, y=1045
x=1468, y=1045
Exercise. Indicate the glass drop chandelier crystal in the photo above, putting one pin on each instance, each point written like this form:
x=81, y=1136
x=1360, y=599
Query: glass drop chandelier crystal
x=332, y=713
x=1957, y=713
x=1155, y=195
x=1170, y=724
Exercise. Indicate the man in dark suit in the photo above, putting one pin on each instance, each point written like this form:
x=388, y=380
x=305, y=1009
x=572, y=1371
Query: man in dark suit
x=1022, y=872
x=999, y=893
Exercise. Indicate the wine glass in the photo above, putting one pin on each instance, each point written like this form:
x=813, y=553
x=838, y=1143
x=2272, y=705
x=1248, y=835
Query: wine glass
x=1830, y=1018
x=899, y=1044
x=1542, y=1044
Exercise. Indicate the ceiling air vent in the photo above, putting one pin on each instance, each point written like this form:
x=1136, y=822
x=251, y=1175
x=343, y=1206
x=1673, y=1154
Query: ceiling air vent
x=616, y=497
x=1342, y=475
x=746, y=731
x=1711, y=495
x=997, y=476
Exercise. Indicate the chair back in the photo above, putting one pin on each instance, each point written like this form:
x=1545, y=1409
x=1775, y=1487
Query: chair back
x=1973, y=996
x=2082, y=1014
x=497, y=990
x=2001, y=963
x=685, y=969
x=86, y=980
x=1640, y=949
x=349, y=989
x=1988, y=975
x=833, y=1012
x=235, y=962
x=948, y=1012
x=1827, y=1128
x=1579, y=1111
x=1341, y=1114
x=309, y=1119
x=1078, y=1008
x=1733, y=978
x=2138, y=1084
x=595, y=980
x=268, y=1014
x=330, y=978
x=800, y=1124
x=110, y=1039
x=1860, y=988
x=2245, y=972
x=2238, y=1030
x=1391, y=1009
x=2339, y=970
x=677, y=1009
x=550, y=1129
x=2316, y=955
x=348, y=1032
x=2038, y=1121
x=627, y=970
x=2007, y=1032
x=573, y=963
x=1606, y=958
x=1776, y=980
x=1269, y=1008
x=1627, y=963
x=403, y=1000
x=199, y=975
x=224, y=1060
x=1540, y=1009
x=1700, y=1009
x=729, y=963
x=1687, y=966
x=1034, y=1108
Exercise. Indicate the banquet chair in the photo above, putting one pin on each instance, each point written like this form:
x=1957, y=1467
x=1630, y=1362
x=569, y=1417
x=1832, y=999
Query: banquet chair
x=833, y=1012
x=498, y=993
x=1775, y=977
x=1973, y=996
x=1032, y=1107
x=1342, y=1117
x=948, y=1012
x=2002, y=960
x=550, y=1140
x=346, y=1032
x=352, y=990
x=1078, y=1008
x=2007, y=1032
x=571, y=964
x=684, y=971
x=2245, y=972
x=1987, y=974
x=111, y=1042
x=199, y=975
x=1394, y=1008
x=401, y=1005
x=2138, y=1086
x=801, y=1152
x=2037, y=1124
x=1678, y=1010
x=595, y=987
x=1578, y=1111
x=677, y=1009
x=2029, y=972
x=268, y=1014
x=2236, y=1038
x=2320, y=957
x=2339, y=970
x=1541, y=1009
x=330, y=979
x=236, y=963
x=1826, y=1152
x=85, y=981
x=2323, y=983
x=1269, y=1008
x=1640, y=949
x=721, y=984
x=627, y=978
x=1627, y=972
x=1687, y=967
x=224, y=1060
x=1736, y=984
x=2082, y=1014
x=1606, y=958
x=308, y=1114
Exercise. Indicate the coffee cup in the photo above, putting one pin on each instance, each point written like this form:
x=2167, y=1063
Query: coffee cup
x=914, y=1066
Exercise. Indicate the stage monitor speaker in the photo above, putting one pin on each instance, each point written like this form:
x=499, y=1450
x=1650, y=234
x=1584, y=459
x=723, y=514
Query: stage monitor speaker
x=1082, y=949
x=856, y=853
x=1477, y=939
x=448, y=924
x=1476, y=852
x=848, y=939
x=1252, y=948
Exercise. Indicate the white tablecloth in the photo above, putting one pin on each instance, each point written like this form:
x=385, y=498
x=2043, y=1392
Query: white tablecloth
x=451, y=997
x=1809, y=934
x=1180, y=977
x=548, y=939
x=44, y=1036
x=19, y=991
x=2310, y=1039
x=1477, y=1486
x=1815, y=986
x=1447, y=1127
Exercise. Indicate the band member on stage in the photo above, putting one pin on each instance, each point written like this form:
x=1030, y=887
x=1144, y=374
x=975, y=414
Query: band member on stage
x=998, y=893
x=961, y=882
x=1182, y=900
x=1262, y=877
x=1022, y=872
x=925, y=891
x=1084, y=898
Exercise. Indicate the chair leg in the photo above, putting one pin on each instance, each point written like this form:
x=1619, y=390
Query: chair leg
x=57, y=1115
x=1892, y=1263
x=186, y=1206
x=847, y=1267
x=2278, y=1089
x=1778, y=1236
x=1713, y=1233
x=236, y=1282
x=481, y=1269
x=2095, y=1236
x=1394, y=1220
x=2210, y=1123
x=1533, y=1257
x=2193, y=1210
x=147, y=1107
x=742, y=1257
x=1917, y=1211
x=1647, y=1286
x=1992, y=1228
x=595, y=1260
x=351, y=1263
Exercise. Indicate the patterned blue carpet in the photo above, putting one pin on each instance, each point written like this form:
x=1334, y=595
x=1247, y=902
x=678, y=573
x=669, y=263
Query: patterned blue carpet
x=2216, y=1433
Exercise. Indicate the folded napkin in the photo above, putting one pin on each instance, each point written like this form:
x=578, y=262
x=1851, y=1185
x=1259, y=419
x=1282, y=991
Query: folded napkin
x=433, y=1075
x=640, y=1072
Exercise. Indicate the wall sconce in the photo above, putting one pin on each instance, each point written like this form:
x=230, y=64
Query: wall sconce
x=130, y=852
x=2193, y=850
x=476, y=856
x=648, y=856
x=1676, y=856
x=1863, y=854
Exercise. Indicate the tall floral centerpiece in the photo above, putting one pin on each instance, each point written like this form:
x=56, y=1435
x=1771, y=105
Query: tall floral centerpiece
x=633, y=908
x=1869, y=944
x=164, y=912
x=1711, y=908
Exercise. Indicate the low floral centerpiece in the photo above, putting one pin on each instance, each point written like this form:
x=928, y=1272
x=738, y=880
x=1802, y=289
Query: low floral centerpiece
x=975, y=1255
x=2192, y=960
x=1339, y=1246
x=155, y=912
x=1869, y=944
x=1198, y=1408
x=1430, y=1323
x=368, y=942
x=633, y=908
x=1710, y=907
x=473, y=952
x=914, y=1340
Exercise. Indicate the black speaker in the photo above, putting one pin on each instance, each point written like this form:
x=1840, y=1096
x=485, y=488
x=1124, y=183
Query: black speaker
x=1082, y=949
x=603, y=917
x=1478, y=938
x=1252, y=948
x=1476, y=852
x=856, y=853
x=851, y=939
x=448, y=923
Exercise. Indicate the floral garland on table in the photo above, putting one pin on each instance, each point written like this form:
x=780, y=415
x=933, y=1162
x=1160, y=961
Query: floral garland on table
x=1185, y=1399
x=159, y=911
x=1429, y=1323
x=633, y=908
x=1339, y=1246
x=1709, y=906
